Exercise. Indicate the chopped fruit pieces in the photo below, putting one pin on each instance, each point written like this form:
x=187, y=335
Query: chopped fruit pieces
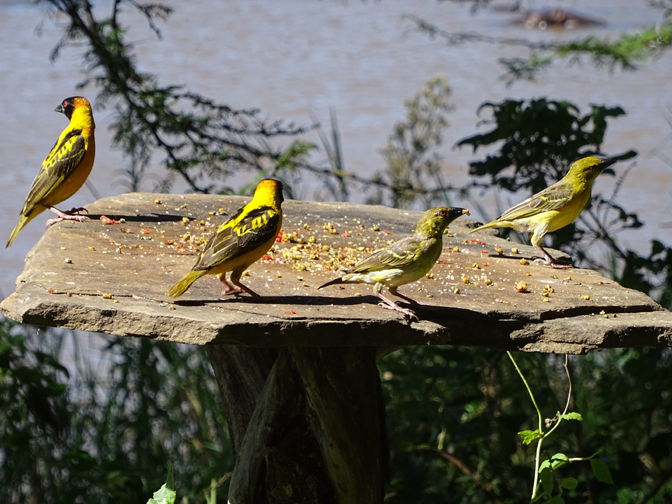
x=107, y=221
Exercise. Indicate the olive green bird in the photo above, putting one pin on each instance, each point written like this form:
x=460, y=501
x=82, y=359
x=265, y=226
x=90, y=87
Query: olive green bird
x=555, y=207
x=405, y=260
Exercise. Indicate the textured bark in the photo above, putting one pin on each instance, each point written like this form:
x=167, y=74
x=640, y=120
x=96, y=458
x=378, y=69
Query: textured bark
x=279, y=460
x=241, y=374
x=314, y=433
x=343, y=391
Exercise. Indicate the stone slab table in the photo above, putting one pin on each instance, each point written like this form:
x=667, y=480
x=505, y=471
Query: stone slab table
x=296, y=368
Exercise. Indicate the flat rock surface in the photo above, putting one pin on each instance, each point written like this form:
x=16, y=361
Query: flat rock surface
x=112, y=278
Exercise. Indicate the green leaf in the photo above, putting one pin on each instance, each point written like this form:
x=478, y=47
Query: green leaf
x=557, y=500
x=558, y=460
x=528, y=435
x=547, y=480
x=569, y=483
x=163, y=496
x=571, y=416
x=601, y=471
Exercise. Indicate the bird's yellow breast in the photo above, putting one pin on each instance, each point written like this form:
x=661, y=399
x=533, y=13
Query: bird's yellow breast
x=76, y=180
x=568, y=213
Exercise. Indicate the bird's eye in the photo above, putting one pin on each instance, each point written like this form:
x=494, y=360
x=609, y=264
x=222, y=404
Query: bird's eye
x=442, y=213
x=65, y=104
x=593, y=167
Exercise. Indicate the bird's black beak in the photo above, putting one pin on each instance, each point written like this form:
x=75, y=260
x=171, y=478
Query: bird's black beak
x=456, y=212
x=607, y=162
x=66, y=107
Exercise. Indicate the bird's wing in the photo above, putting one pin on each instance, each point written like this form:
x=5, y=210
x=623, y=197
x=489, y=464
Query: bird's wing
x=553, y=197
x=400, y=254
x=64, y=157
x=242, y=233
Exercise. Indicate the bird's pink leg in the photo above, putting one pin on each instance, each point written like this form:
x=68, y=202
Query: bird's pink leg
x=235, y=279
x=229, y=289
x=549, y=261
x=393, y=291
x=239, y=287
x=391, y=305
x=67, y=215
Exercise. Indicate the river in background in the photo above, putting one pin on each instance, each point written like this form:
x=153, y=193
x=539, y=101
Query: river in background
x=295, y=58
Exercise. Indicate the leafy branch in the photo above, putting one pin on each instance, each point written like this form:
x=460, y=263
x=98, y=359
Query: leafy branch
x=545, y=470
x=625, y=52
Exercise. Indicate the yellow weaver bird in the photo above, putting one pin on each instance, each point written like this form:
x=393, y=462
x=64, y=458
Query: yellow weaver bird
x=405, y=260
x=65, y=168
x=242, y=240
x=556, y=206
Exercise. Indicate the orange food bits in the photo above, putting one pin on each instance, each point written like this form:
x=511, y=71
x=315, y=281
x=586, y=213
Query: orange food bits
x=107, y=221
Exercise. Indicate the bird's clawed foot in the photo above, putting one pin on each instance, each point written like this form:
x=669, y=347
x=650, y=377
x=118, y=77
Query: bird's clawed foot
x=391, y=305
x=237, y=289
x=67, y=215
x=553, y=263
x=232, y=290
x=549, y=261
x=228, y=288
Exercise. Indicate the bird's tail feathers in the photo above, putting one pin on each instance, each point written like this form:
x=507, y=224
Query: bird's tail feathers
x=332, y=282
x=486, y=226
x=23, y=220
x=185, y=282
